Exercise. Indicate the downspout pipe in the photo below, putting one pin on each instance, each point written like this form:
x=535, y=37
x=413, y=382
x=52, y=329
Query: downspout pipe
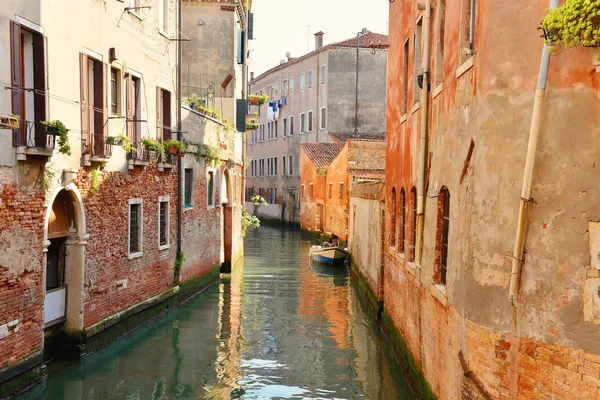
x=179, y=132
x=424, y=132
x=356, y=89
x=517, y=263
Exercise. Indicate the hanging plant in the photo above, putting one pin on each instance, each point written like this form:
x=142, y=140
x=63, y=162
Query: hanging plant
x=211, y=155
x=574, y=24
x=174, y=146
x=57, y=128
x=249, y=221
x=154, y=145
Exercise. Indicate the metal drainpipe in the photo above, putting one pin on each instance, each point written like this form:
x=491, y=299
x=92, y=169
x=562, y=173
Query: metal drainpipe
x=424, y=130
x=356, y=89
x=517, y=264
x=179, y=133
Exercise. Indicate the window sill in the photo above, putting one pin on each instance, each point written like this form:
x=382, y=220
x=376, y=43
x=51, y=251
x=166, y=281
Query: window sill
x=415, y=108
x=467, y=65
x=391, y=250
x=163, y=33
x=164, y=247
x=439, y=292
x=135, y=14
x=436, y=92
x=188, y=208
x=412, y=268
x=135, y=255
x=24, y=152
x=131, y=164
x=403, y=118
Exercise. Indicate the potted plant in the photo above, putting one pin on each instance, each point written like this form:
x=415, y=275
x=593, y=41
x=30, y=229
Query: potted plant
x=116, y=140
x=174, y=146
x=264, y=98
x=575, y=23
x=10, y=122
x=154, y=145
x=251, y=126
x=254, y=100
x=57, y=128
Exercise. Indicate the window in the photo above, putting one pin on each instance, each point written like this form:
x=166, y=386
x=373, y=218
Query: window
x=163, y=114
x=439, y=56
x=405, y=78
x=393, y=219
x=134, y=7
x=262, y=132
x=291, y=165
x=413, y=195
x=285, y=127
x=302, y=81
x=324, y=118
x=311, y=191
x=210, y=189
x=302, y=123
x=269, y=134
x=163, y=222
x=291, y=85
x=275, y=91
x=310, y=121
x=291, y=125
x=341, y=190
x=135, y=227
x=443, y=203
x=94, y=115
x=276, y=123
x=467, y=21
x=284, y=169
x=274, y=166
x=301, y=191
x=330, y=189
x=134, y=131
x=28, y=71
x=323, y=73
x=163, y=16
x=417, y=60
x=402, y=221
x=309, y=79
x=285, y=88
x=188, y=183
x=115, y=91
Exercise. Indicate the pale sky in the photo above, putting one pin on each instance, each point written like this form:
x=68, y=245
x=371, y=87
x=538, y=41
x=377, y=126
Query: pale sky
x=281, y=26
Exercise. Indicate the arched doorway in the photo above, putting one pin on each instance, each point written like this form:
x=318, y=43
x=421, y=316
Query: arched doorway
x=64, y=244
x=227, y=221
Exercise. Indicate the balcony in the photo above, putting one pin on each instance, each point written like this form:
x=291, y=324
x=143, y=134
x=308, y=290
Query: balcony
x=168, y=163
x=97, y=151
x=140, y=157
x=31, y=140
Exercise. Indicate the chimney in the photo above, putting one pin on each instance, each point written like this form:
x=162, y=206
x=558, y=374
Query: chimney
x=252, y=75
x=318, y=40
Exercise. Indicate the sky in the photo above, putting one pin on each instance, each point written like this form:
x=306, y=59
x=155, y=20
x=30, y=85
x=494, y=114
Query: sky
x=281, y=26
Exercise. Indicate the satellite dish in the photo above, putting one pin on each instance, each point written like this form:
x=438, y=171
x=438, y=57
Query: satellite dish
x=288, y=54
x=281, y=62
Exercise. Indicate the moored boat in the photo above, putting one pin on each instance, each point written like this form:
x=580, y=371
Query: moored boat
x=328, y=255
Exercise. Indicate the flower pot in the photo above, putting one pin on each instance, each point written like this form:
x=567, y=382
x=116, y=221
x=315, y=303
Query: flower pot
x=179, y=154
x=254, y=101
x=52, y=130
x=115, y=141
x=172, y=150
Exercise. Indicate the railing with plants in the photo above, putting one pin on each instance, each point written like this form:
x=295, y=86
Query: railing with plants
x=574, y=24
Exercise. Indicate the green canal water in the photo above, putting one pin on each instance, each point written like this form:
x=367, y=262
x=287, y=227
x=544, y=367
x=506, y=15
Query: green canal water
x=279, y=327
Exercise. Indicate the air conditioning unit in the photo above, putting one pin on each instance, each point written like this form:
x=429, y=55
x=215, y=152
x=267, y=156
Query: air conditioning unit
x=113, y=54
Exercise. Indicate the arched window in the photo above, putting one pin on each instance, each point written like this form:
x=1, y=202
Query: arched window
x=442, y=236
x=402, y=235
x=413, y=239
x=393, y=219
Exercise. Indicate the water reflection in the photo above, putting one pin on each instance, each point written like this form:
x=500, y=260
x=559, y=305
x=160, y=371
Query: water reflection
x=280, y=327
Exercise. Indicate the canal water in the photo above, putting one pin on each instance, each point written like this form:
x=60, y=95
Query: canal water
x=279, y=327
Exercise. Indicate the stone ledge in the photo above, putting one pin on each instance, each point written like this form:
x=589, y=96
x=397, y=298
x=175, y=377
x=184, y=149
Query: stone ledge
x=439, y=292
x=22, y=376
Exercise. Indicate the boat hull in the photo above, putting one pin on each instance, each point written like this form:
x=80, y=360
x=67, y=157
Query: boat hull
x=328, y=255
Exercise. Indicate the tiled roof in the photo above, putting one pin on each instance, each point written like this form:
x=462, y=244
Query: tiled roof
x=369, y=39
x=342, y=138
x=321, y=154
x=369, y=175
x=368, y=190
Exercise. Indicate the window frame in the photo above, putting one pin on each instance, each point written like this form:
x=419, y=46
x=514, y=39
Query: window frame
x=188, y=205
x=417, y=61
x=442, y=237
x=290, y=165
x=210, y=188
x=302, y=82
x=302, y=123
x=402, y=221
x=291, y=118
x=309, y=120
x=323, y=80
x=163, y=17
x=116, y=93
x=323, y=121
x=164, y=200
x=285, y=126
x=140, y=234
x=309, y=79
x=291, y=83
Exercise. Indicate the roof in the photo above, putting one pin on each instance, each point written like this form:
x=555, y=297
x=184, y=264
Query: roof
x=343, y=137
x=368, y=190
x=368, y=174
x=321, y=154
x=370, y=40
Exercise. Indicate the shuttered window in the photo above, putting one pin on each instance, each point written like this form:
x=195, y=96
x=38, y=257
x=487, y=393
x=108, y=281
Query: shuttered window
x=163, y=114
x=94, y=105
x=135, y=226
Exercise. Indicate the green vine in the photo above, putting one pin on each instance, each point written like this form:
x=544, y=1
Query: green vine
x=179, y=259
x=94, y=180
x=154, y=145
x=45, y=176
x=575, y=23
x=211, y=155
x=63, y=136
x=249, y=221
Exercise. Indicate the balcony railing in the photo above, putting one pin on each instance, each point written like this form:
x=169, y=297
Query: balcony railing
x=141, y=153
x=33, y=134
x=98, y=148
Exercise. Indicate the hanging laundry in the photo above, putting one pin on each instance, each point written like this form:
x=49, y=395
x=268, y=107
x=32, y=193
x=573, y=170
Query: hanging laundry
x=270, y=113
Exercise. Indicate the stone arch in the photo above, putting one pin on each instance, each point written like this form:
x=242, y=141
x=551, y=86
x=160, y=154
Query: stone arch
x=226, y=190
x=64, y=243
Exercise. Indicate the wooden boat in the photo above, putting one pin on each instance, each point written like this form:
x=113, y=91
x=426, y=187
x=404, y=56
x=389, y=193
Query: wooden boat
x=328, y=255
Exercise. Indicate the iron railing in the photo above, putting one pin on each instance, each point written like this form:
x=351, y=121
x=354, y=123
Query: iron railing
x=140, y=153
x=33, y=134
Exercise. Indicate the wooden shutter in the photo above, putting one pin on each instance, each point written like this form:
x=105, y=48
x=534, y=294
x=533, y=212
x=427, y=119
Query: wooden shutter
x=39, y=83
x=98, y=109
x=129, y=108
x=166, y=115
x=85, y=101
x=159, y=112
x=16, y=76
x=105, y=78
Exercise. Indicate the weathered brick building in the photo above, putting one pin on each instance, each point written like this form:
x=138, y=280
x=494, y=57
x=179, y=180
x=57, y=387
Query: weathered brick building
x=459, y=150
x=89, y=228
x=327, y=173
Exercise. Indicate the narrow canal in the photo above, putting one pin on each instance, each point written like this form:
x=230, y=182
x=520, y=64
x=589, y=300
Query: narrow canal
x=280, y=327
